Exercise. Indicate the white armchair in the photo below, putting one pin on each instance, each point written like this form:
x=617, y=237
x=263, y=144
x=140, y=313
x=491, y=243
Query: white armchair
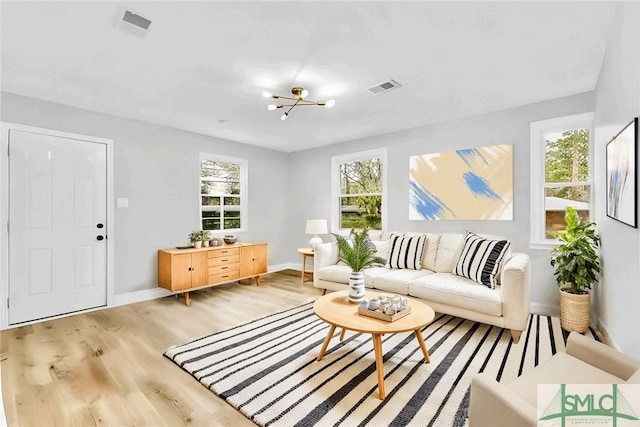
x=585, y=361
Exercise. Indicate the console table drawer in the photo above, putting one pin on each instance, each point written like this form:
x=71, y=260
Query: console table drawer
x=223, y=260
x=224, y=277
x=223, y=252
x=225, y=268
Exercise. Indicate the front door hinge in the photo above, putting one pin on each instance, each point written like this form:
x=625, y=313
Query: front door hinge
x=7, y=302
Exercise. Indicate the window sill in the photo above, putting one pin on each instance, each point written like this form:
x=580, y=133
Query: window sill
x=544, y=244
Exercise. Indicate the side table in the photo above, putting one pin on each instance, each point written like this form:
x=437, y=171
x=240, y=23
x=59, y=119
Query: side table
x=306, y=252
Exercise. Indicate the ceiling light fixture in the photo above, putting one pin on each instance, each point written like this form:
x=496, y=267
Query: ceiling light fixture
x=298, y=95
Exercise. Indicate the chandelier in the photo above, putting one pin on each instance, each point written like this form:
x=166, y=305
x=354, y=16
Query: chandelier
x=296, y=100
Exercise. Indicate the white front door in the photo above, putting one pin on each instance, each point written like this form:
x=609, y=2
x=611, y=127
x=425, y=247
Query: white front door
x=57, y=225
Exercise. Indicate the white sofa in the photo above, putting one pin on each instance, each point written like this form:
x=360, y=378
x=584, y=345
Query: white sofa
x=506, y=306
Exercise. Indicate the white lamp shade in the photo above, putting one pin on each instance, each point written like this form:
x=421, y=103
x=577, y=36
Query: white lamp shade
x=316, y=226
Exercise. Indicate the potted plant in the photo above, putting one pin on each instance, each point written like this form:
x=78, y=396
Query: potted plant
x=205, y=235
x=195, y=239
x=357, y=254
x=576, y=266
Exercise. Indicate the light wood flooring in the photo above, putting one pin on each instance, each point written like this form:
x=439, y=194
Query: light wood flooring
x=106, y=367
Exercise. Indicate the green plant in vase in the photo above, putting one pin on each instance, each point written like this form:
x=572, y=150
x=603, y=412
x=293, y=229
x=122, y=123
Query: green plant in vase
x=194, y=238
x=357, y=254
x=576, y=265
x=205, y=235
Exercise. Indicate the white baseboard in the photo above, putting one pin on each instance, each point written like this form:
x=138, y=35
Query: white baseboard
x=286, y=266
x=138, y=296
x=149, y=294
x=544, y=309
x=606, y=333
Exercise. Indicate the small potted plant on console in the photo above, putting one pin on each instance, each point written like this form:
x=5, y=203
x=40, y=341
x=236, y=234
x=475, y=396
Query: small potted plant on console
x=205, y=235
x=195, y=239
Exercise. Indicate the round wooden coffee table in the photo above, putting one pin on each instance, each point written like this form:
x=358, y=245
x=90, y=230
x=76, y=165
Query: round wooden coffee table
x=336, y=309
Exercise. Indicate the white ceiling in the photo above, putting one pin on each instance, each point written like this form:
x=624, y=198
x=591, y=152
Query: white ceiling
x=203, y=66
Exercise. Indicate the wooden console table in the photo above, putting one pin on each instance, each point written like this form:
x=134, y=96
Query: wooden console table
x=185, y=270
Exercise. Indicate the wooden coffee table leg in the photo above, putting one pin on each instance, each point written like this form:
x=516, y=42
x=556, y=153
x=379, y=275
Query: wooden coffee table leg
x=342, y=334
x=377, y=347
x=423, y=346
x=332, y=329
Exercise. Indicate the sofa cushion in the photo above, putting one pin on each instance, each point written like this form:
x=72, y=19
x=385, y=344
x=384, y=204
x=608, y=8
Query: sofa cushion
x=382, y=249
x=397, y=281
x=449, y=289
x=431, y=251
x=559, y=369
x=480, y=259
x=371, y=273
x=326, y=254
x=341, y=273
x=448, y=252
x=335, y=273
x=406, y=252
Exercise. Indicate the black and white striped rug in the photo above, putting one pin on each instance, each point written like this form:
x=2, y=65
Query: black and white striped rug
x=267, y=369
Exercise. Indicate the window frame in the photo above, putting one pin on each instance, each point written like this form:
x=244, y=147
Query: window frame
x=537, y=173
x=243, y=208
x=336, y=161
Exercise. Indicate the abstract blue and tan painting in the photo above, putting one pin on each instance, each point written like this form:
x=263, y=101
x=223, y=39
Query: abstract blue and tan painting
x=621, y=176
x=469, y=184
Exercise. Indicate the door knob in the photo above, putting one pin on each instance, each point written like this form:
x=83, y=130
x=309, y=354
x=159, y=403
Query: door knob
x=100, y=237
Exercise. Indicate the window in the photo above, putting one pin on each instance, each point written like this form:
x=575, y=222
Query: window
x=223, y=190
x=359, y=190
x=560, y=174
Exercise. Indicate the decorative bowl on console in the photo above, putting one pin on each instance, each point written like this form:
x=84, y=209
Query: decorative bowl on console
x=230, y=239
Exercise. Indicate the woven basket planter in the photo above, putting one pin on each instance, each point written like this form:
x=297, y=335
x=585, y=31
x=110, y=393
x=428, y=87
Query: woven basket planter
x=574, y=311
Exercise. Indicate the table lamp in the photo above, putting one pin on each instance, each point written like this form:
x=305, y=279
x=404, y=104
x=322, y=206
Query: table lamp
x=315, y=227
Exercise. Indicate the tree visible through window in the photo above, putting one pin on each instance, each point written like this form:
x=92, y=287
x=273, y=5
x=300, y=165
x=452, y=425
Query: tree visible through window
x=221, y=194
x=567, y=183
x=361, y=194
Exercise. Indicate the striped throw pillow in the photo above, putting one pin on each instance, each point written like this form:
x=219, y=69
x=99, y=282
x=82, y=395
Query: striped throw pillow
x=406, y=252
x=480, y=259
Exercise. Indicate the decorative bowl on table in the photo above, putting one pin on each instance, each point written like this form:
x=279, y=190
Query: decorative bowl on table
x=230, y=239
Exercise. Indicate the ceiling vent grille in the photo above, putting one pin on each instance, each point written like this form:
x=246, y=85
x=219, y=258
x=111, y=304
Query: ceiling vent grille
x=135, y=19
x=384, y=87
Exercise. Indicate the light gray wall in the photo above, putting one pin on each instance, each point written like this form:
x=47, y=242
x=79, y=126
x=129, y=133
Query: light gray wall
x=156, y=167
x=617, y=297
x=312, y=183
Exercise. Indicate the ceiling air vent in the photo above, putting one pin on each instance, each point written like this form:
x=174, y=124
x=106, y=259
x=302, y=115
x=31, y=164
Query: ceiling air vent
x=384, y=87
x=135, y=19
x=132, y=23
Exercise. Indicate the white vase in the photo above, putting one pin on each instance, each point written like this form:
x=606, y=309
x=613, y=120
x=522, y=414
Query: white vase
x=205, y=243
x=356, y=286
x=197, y=244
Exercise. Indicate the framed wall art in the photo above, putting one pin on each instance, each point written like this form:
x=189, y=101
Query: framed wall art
x=468, y=184
x=622, y=175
